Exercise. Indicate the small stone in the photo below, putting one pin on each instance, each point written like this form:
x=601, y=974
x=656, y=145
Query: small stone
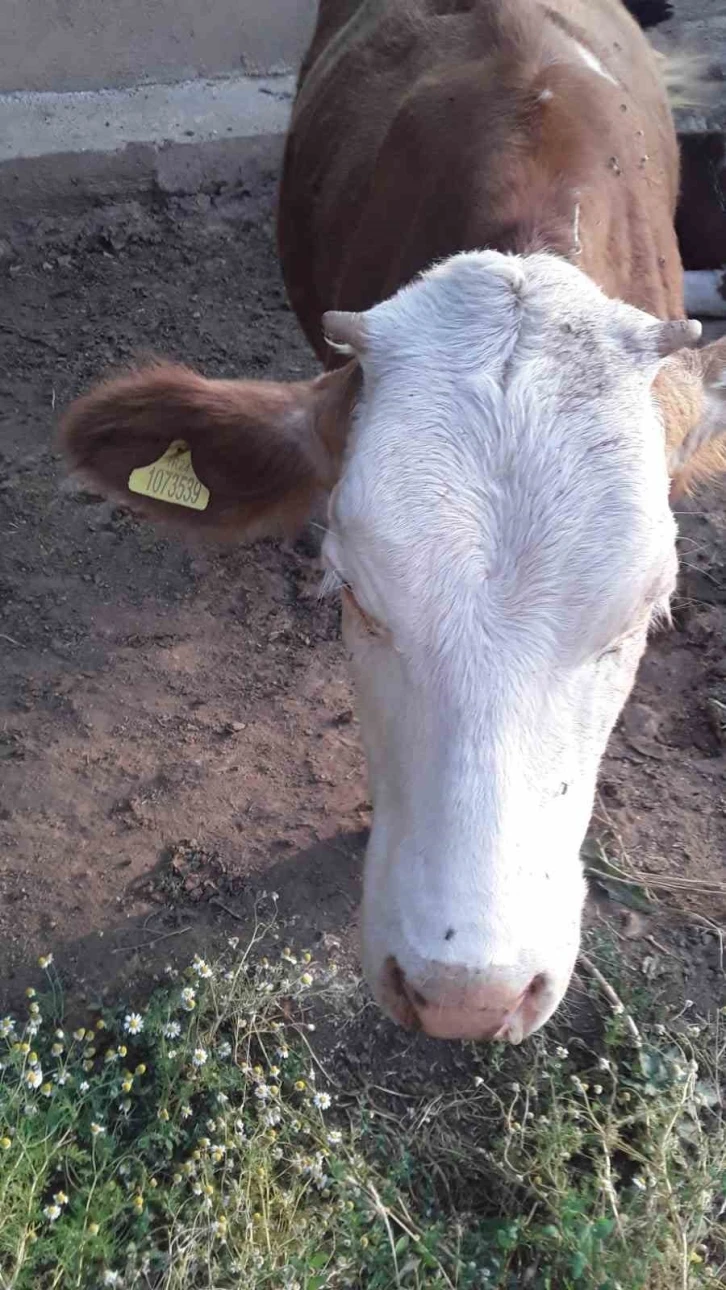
x=233, y=727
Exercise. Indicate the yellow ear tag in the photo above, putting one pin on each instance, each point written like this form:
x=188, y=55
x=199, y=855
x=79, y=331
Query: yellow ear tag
x=171, y=479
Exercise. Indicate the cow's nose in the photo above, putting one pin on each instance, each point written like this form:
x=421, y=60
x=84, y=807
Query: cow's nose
x=455, y=1003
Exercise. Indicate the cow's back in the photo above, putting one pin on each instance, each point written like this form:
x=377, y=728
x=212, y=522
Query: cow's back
x=426, y=127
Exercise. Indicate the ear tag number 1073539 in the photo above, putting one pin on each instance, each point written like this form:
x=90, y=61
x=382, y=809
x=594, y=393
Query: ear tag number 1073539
x=171, y=479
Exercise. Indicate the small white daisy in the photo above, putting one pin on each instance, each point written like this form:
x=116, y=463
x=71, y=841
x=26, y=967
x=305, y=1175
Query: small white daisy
x=172, y=1030
x=133, y=1023
x=201, y=968
x=52, y=1212
x=322, y=1101
x=199, y=1056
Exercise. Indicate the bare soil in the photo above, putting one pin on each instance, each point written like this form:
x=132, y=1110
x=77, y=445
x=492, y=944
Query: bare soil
x=176, y=724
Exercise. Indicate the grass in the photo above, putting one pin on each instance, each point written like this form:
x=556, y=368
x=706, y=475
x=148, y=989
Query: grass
x=195, y=1143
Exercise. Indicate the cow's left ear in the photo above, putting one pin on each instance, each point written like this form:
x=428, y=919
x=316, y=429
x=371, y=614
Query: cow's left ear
x=238, y=459
x=690, y=389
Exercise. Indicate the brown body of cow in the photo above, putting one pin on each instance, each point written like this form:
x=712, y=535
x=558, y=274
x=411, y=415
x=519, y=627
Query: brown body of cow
x=426, y=127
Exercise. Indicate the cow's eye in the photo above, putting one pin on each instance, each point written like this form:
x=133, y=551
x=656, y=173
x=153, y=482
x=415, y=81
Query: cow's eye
x=611, y=652
x=371, y=625
x=620, y=646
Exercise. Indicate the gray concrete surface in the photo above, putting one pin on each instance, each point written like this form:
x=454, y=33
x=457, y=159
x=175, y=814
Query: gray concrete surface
x=106, y=44
x=40, y=125
x=61, y=149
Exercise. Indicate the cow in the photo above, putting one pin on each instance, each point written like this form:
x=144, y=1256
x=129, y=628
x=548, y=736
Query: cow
x=476, y=230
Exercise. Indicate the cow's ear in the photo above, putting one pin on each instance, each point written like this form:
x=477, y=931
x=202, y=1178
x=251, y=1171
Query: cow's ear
x=690, y=389
x=229, y=458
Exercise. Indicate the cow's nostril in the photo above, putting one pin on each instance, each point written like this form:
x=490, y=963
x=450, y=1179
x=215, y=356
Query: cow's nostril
x=396, y=995
x=536, y=986
x=409, y=992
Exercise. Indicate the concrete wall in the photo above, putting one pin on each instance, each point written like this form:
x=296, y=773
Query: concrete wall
x=102, y=44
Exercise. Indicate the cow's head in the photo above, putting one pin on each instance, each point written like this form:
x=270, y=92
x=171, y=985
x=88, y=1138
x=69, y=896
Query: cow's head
x=496, y=458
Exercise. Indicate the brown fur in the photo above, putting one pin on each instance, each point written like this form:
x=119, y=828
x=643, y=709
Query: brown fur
x=264, y=450
x=419, y=131
x=692, y=403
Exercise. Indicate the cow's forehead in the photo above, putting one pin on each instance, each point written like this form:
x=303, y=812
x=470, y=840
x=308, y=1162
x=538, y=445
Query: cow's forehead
x=526, y=478
x=487, y=377
x=482, y=310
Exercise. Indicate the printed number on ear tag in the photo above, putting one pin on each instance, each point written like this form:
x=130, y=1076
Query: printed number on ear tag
x=171, y=479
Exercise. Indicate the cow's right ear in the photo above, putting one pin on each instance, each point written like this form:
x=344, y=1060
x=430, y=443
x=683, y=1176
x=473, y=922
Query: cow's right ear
x=690, y=389
x=226, y=458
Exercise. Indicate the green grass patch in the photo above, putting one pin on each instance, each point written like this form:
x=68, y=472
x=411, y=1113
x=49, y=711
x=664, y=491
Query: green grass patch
x=197, y=1143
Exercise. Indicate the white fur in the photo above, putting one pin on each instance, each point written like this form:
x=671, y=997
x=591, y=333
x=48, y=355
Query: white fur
x=503, y=516
x=592, y=62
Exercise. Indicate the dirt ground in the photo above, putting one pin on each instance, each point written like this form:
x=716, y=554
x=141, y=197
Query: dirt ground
x=176, y=726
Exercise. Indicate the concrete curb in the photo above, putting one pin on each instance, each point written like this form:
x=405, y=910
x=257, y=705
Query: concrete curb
x=61, y=148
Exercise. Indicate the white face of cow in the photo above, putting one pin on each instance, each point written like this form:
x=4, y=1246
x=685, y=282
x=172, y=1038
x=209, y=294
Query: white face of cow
x=502, y=531
x=503, y=534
